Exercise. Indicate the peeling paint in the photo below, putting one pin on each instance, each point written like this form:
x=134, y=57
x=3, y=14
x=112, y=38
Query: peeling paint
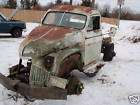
x=49, y=32
x=71, y=8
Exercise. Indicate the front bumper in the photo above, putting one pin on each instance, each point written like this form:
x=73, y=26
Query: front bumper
x=33, y=92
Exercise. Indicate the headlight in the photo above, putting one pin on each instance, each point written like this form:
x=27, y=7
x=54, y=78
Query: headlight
x=48, y=62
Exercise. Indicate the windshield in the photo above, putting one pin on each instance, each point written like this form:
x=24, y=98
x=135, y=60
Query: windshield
x=65, y=19
x=2, y=17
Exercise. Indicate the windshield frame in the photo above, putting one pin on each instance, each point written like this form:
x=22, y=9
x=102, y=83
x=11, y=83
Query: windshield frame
x=65, y=13
x=3, y=17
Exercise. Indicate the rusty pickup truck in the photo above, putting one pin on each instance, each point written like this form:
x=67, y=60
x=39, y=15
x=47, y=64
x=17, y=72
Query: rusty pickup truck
x=69, y=38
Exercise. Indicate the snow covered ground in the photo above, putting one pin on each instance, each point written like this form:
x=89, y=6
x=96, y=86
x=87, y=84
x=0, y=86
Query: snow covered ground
x=114, y=83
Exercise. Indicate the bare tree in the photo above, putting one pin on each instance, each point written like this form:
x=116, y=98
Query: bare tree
x=58, y=1
x=106, y=10
x=86, y=3
x=93, y=4
x=96, y=6
x=71, y=1
x=34, y=3
x=12, y=4
x=126, y=13
x=25, y=4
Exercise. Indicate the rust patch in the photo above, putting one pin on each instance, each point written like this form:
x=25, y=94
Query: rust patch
x=70, y=8
x=57, y=32
x=38, y=31
x=68, y=65
x=64, y=7
x=49, y=32
x=87, y=9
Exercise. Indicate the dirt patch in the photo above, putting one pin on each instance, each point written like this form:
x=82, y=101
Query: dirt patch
x=112, y=21
x=24, y=15
x=105, y=79
x=98, y=67
x=134, y=39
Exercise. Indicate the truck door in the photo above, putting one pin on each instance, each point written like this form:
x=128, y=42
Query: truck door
x=93, y=40
x=4, y=25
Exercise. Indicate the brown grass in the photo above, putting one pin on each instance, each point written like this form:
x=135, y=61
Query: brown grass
x=110, y=20
x=25, y=15
x=35, y=16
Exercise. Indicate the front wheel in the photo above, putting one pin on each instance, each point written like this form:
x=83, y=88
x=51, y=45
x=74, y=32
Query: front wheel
x=17, y=32
x=74, y=86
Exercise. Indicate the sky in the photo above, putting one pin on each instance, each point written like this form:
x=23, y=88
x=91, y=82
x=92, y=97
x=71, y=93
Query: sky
x=133, y=4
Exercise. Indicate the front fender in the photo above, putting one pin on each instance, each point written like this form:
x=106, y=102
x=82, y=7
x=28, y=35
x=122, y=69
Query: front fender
x=62, y=55
x=68, y=52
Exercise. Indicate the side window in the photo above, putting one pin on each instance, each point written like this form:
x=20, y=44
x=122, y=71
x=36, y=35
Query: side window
x=94, y=23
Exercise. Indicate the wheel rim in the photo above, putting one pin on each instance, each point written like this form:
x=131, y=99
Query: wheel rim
x=16, y=33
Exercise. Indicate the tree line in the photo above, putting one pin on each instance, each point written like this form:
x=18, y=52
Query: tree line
x=105, y=11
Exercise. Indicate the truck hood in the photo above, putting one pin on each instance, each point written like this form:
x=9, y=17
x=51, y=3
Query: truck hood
x=49, y=32
x=44, y=39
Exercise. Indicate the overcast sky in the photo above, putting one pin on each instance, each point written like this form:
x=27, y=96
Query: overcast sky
x=133, y=4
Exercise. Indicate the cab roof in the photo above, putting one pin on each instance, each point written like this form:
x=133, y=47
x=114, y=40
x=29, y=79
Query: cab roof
x=75, y=9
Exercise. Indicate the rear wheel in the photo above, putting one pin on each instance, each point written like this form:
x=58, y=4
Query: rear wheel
x=17, y=32
x=108, y=51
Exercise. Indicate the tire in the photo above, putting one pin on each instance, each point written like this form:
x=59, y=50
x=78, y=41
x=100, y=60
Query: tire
x=108, y=52
x=17, y=32
x=74, y=86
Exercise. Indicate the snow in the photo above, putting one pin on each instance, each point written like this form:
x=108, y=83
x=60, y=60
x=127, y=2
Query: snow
x=30, y=27
x=121, y=76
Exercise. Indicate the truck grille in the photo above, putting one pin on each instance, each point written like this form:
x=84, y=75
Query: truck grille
x=39, y=77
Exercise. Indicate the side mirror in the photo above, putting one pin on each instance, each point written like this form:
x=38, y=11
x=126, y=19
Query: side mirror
x=113, y=31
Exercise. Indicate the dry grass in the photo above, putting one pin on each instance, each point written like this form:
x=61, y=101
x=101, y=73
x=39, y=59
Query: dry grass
x=110, y=20
x=25, y=15
x=35, y=16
